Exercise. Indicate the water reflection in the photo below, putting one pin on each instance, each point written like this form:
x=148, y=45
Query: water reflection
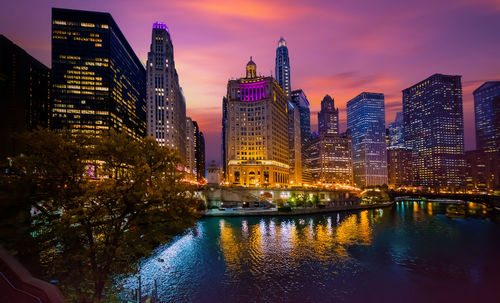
x=339, y=256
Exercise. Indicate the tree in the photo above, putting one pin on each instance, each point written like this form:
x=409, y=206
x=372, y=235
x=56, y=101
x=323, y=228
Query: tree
x=91, y=228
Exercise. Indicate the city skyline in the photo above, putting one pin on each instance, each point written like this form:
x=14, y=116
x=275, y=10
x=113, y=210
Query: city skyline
x=341, y=62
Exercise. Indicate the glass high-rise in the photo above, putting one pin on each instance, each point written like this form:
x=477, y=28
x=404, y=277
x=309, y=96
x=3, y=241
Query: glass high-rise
x=366, y=125
x=396, y=131
x=282, y=67
x=434, y=130
x=487, y=114
x=98, y=82
x=166, y=106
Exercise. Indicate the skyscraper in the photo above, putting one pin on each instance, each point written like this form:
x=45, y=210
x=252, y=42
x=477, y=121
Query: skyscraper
x=282, y=67
x=257, y=146
x=224, y=141
x=434, y=130
x=487, y=114
x=199, y=152
x=24, y=96
x=366, y=125
x=166, y=104
x=295, y=144
x=396, y=131
x=299, y=99
x=98, y=81
x=190, y=147
x=328, y=117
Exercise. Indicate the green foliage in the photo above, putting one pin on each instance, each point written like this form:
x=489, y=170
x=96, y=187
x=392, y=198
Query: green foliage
x=90, y=229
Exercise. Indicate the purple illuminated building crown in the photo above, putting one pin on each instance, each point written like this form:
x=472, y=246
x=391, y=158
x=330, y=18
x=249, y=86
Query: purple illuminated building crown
x=160, y=25
x=253, y=91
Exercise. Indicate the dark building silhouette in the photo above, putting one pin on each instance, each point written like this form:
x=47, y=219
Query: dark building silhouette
x=300, y=101
x=199, y=152
x=434, y=130
x=98, y=81
x=328, y=117
x=24, y=96
x=224, y=147
x=487, y=116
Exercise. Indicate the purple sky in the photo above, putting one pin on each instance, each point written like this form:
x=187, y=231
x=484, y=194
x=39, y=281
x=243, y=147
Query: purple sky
x=338, y=47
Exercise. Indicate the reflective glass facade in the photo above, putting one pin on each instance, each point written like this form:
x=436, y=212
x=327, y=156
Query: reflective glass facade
x=366, y=125
x=282, y=67
x=487, y=114
x=98, y=81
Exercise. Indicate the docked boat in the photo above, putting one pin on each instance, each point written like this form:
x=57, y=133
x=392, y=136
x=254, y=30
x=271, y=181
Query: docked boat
x=455, y=211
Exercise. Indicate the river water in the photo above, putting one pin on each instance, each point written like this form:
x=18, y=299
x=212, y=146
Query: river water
x=411, y=252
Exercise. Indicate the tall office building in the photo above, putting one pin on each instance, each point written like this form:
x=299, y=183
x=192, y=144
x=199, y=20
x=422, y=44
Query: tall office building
x=166, y=106
x=434, y=130
x=487, y=114
x=328, y=117
x=98, y=82
x=282, y=67
x=190, y=147
x=24, y=96
x=300, y=101
x=330, y=160
x=199, y=153
x=366, y=125
x=396, y=131
x=224, y=141
x=256, y=131
x=295, y=144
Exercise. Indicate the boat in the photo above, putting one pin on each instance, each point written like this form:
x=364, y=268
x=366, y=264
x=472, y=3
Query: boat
x=455, y=211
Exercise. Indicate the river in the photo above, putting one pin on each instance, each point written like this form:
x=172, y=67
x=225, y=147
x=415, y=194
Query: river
x=410, y=252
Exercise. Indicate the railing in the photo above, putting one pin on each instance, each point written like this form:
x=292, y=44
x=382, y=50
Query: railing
x=18, y=285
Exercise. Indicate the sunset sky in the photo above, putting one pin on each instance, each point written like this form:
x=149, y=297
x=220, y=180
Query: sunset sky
x=339, y=48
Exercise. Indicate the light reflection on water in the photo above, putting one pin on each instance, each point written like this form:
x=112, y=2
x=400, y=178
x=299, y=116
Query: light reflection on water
x=411, y=252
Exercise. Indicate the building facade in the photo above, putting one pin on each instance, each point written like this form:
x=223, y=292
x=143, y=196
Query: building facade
x=224, y=140
x=199, y=153
x=434, y=130
x=282, y=67
x=295, y=144
x=483, y=171
x=166, y=106
x=25, y=96
x=396, y=131
x=190, y=147
x=366, y=125
x=256, y=131
x=399, y=166
x=330, y=160
x=98, y=83
x=328, y=117
x=300, y=101
x=487, y=116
